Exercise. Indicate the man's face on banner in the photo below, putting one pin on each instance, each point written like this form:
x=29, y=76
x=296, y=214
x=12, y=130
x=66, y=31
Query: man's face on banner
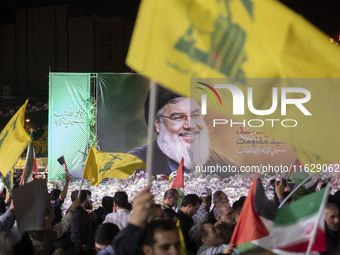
x=182, y=132
x=183, y=119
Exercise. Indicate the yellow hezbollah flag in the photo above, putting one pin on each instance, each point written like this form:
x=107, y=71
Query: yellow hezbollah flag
x=181, y=238
x=175, y=41
x=101, y=165
x=13, y=140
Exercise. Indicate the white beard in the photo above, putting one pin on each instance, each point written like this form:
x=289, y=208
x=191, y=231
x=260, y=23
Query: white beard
x=197, y=154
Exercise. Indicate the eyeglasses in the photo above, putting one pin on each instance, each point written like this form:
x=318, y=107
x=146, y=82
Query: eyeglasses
x=181, y=118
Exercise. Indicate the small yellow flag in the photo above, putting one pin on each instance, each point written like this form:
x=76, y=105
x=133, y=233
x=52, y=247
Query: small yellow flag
x=13, y=140
x=101, y=165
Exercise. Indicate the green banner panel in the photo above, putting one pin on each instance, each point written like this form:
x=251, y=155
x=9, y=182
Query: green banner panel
x=68, y=123
x=120, y=111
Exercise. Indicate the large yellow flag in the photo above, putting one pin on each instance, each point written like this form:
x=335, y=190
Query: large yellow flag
x=175, y=41
x=101, y=165
x=13, y=140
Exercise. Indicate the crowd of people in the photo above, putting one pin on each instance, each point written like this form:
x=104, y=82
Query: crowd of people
x=203, y=224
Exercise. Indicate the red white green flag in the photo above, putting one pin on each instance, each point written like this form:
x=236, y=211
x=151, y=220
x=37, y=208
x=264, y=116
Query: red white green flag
x=62, y=162
x=300, y=226
x=178, y=183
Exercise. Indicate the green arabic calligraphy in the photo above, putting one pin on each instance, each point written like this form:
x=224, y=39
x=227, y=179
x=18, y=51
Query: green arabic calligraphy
x=70, y=118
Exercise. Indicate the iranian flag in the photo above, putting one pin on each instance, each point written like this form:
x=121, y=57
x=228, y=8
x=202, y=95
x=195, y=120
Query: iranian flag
x=300, y=226
x=178, y=183
x=30, y=163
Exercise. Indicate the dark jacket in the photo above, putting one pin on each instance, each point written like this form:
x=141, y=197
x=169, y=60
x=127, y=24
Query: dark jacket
x=186, y=222
x=160, y=162
x=82, y=229
x=127, y=241
x=332, y=243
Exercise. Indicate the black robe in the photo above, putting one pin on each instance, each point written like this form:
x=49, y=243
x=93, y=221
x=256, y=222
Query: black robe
x=160, y=162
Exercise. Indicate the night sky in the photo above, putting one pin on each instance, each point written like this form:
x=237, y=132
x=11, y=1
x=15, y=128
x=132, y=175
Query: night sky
x=322, y=13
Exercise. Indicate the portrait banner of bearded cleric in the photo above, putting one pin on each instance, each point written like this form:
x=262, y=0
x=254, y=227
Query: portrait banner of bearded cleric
x=181, y=132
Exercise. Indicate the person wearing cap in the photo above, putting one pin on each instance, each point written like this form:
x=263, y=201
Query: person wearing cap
x=204, y=208
x=181, y=132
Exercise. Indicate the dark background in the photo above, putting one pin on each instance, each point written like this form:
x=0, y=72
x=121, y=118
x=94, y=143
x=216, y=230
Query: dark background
x=323, y=14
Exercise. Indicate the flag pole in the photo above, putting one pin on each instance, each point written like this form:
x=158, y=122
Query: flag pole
x=81, y=184
x=11, y=180
x=151, y=120
x=293, y=191
x=322, y=207
x=82, y=177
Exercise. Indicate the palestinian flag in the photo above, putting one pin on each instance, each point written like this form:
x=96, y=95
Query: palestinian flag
x=297, y=226
x=178, y=183
x=256, y=219
x=62, y=162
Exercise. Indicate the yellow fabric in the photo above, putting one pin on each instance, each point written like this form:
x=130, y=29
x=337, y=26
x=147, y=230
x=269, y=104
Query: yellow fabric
x=13, y=140
x=181, y=238
x=176, y=40
x=101, y=165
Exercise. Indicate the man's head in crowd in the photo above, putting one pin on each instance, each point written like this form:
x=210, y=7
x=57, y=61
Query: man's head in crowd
x=120, y=200
x=181, y=129
x=105, y=234
x=332, y=217
x=161, y=237
x=89, y=194
x=190, y=204
x=224, y=213
x=205, y=235
x=107, y=203
x=157, y=213
x=82, y=198
x=55, y=193
x=88, y=204
x=74, y=195
x=206, y=197
x=237, y=206
x=170, y=197
x=220, y=197
x=206, y=201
